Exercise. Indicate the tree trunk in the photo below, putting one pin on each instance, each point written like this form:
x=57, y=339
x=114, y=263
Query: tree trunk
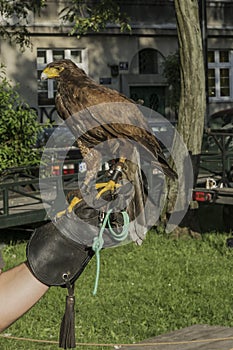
x=192, y=103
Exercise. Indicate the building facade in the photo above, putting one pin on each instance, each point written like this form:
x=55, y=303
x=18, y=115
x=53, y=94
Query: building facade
x=131, y=63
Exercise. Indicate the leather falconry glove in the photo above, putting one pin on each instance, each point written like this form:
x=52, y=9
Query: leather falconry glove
x=55, y=260
x=57, y=253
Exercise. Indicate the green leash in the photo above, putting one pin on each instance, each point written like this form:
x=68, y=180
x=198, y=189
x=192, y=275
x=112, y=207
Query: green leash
x=98, y=242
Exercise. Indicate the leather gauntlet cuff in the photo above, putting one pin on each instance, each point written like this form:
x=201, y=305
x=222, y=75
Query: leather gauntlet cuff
x=55, y=259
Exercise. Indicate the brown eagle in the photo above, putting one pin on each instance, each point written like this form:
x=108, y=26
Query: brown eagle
x=120, y=119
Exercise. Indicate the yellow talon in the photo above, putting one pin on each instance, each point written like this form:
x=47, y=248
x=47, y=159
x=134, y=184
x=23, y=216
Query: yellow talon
x=100, y=185
x=74, y=201
x=106, y=186
x=60, y=214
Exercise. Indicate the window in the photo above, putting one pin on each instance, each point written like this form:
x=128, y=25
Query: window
x=147, y=61
x=47, y=88
x=220, y=70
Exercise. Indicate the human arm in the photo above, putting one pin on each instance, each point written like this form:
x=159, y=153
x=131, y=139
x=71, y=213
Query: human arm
x=19, y=291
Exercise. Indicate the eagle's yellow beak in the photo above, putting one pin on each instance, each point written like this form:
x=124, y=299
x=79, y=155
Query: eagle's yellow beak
x=51, y=73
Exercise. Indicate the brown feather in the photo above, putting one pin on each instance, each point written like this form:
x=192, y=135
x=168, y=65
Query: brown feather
x=78, y=92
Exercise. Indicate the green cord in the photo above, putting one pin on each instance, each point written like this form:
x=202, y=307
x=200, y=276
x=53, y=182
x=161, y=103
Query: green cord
x=98, y=242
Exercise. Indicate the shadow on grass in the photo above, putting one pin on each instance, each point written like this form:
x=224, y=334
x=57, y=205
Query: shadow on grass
x=15, y=235
x=208, y=218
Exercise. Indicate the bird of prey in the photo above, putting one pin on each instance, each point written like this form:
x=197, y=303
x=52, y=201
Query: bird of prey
x=77, y=92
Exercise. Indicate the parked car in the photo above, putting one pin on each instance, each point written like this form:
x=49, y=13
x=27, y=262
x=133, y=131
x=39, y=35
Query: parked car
x=164, y=130
x=58, y=146
x=222, y=120
x=217, y=146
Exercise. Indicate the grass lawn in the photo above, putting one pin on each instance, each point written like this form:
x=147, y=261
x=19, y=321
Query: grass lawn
x=143, y=291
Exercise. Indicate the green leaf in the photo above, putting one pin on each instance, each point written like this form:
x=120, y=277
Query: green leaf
x=18, y=128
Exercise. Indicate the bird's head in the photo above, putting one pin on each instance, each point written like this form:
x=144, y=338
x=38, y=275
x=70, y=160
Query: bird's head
x=58, y=68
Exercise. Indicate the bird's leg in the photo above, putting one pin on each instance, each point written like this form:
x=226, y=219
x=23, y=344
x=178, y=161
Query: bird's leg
x=112, y=184
x=92, y=159
x=72, y=204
